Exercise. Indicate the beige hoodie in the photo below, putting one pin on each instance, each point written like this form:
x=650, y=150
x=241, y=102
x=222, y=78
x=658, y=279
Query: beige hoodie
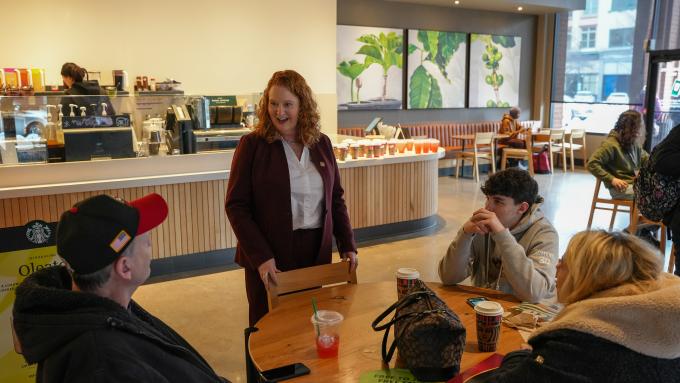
x=522, y=262
x=644, y=319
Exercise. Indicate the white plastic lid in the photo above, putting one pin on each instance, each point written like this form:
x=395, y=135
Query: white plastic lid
x=326, y=318
x=407, y=273
x=489, y=308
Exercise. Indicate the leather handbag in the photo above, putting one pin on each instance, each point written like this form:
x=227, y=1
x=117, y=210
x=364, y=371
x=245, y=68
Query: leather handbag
x=429, y=336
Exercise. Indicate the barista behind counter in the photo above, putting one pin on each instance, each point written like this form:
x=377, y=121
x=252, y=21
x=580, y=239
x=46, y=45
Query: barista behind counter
x=88, y=93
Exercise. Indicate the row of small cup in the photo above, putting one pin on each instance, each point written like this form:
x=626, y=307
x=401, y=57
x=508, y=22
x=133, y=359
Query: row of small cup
x=379, y=148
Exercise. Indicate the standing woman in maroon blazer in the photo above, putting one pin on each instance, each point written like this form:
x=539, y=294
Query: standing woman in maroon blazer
x=284, y=199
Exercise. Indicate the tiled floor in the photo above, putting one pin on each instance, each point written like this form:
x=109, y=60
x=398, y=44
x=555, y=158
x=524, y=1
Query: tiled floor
x=211, y=310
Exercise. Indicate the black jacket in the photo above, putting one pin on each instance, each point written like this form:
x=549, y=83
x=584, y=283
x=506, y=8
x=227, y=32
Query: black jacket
x=627, y=333
x=89, y=95
x=666, y=159
x=574, y=356
x=82, y=337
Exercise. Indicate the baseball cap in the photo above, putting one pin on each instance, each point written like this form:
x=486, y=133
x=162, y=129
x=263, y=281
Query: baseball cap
x=96, y=231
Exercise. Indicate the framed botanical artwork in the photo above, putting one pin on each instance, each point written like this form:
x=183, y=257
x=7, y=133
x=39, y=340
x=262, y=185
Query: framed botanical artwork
x=369, y=64
x=436, y=69
x=494, y=70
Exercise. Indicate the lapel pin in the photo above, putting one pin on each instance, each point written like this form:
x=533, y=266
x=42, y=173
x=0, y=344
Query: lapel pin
x=322, y=164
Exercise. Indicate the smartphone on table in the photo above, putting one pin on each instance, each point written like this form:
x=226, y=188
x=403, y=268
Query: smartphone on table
x=285, y=372
x=474, y=300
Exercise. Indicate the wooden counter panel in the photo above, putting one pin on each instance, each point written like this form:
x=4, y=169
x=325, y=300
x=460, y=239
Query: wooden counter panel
x=375, y=195
x=379, y=195
x=196, y=220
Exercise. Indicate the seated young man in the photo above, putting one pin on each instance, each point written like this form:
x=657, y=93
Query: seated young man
x=508, y=244
x=79, y=322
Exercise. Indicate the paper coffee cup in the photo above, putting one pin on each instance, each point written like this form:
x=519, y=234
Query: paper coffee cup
x=489, y=315
x=406, y=277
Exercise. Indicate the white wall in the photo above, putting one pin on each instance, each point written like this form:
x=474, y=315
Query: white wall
x=211, y=46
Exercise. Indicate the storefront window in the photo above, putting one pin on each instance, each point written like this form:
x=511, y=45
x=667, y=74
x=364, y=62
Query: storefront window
x=602, y=74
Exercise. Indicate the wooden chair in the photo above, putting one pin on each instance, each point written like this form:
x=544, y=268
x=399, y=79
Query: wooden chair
x=481, y=149
x=309, y=277
x=671, y=260
x=555, y=146
x=613, y=205
x=572, y=145
x=629, y=207
x=520, y=153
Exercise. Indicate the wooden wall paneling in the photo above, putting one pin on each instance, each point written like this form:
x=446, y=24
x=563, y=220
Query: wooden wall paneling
x=186, y=218
x=3, y=222
x=222, y=216
x=200, y=199
x=172, y=234
x=23, y=211
x=178, y=239
x=208, y=215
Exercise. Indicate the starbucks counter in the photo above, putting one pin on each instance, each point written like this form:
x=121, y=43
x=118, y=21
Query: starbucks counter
x=385, y=196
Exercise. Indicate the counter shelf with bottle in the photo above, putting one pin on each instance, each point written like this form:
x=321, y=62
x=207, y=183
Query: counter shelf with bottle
x=32, y=127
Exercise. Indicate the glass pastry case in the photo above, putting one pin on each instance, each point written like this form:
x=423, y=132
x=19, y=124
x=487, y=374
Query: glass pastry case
x=48, y=127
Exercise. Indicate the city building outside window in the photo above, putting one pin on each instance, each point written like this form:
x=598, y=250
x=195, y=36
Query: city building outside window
x=588, y=37
x=622, y=37
x=623, y=5
x=591, y=7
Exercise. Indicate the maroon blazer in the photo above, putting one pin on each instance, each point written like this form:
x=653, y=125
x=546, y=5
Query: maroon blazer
x=258, y=203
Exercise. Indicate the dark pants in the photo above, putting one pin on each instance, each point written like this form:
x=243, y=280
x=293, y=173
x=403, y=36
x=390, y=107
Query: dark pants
x=306, y=245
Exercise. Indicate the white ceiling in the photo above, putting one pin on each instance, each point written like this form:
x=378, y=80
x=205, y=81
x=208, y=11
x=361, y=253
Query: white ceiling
x=533, y=7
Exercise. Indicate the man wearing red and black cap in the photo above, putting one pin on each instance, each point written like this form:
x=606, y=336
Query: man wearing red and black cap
x=79, y=322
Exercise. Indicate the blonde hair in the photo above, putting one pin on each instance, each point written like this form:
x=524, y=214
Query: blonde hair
x=309, y=131
x=599, y=260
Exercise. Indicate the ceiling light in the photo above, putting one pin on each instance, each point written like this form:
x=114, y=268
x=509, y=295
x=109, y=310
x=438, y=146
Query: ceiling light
x=520, y=8
x=456, y=2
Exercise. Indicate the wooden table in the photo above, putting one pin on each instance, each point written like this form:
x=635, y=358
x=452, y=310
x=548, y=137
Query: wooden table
x=471, y=137
x=286, y=334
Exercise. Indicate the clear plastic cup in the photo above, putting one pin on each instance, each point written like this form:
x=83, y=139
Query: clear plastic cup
x=418, y=146
x=326, y=325
x=401, y=146
x=434, y=145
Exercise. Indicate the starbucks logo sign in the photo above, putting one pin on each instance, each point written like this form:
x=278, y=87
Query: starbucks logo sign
x=38, y=232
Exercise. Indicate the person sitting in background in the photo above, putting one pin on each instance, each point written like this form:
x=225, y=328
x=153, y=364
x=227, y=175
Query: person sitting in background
x=666, y=157
x=79, y=322
x=619, y=157
x=86, y=94
x=620, y=320
x=508, y=245
x=510, y=126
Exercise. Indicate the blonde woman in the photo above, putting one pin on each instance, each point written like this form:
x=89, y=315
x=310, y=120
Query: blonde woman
x=621, y=321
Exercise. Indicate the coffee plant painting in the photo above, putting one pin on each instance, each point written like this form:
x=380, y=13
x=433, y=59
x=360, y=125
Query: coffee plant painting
x=494, y=70
x=369, y=64
x=436, y=69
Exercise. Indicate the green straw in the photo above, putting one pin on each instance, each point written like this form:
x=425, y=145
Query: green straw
x=316, y=317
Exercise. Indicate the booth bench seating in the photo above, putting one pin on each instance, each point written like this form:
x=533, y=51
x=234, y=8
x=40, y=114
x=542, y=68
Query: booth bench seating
x=444, y=131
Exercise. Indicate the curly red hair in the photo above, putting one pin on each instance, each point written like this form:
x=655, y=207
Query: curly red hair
x=308, y=130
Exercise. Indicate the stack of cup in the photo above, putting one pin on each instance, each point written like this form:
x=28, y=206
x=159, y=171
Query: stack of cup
x=406, y=277
x=489, y=315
